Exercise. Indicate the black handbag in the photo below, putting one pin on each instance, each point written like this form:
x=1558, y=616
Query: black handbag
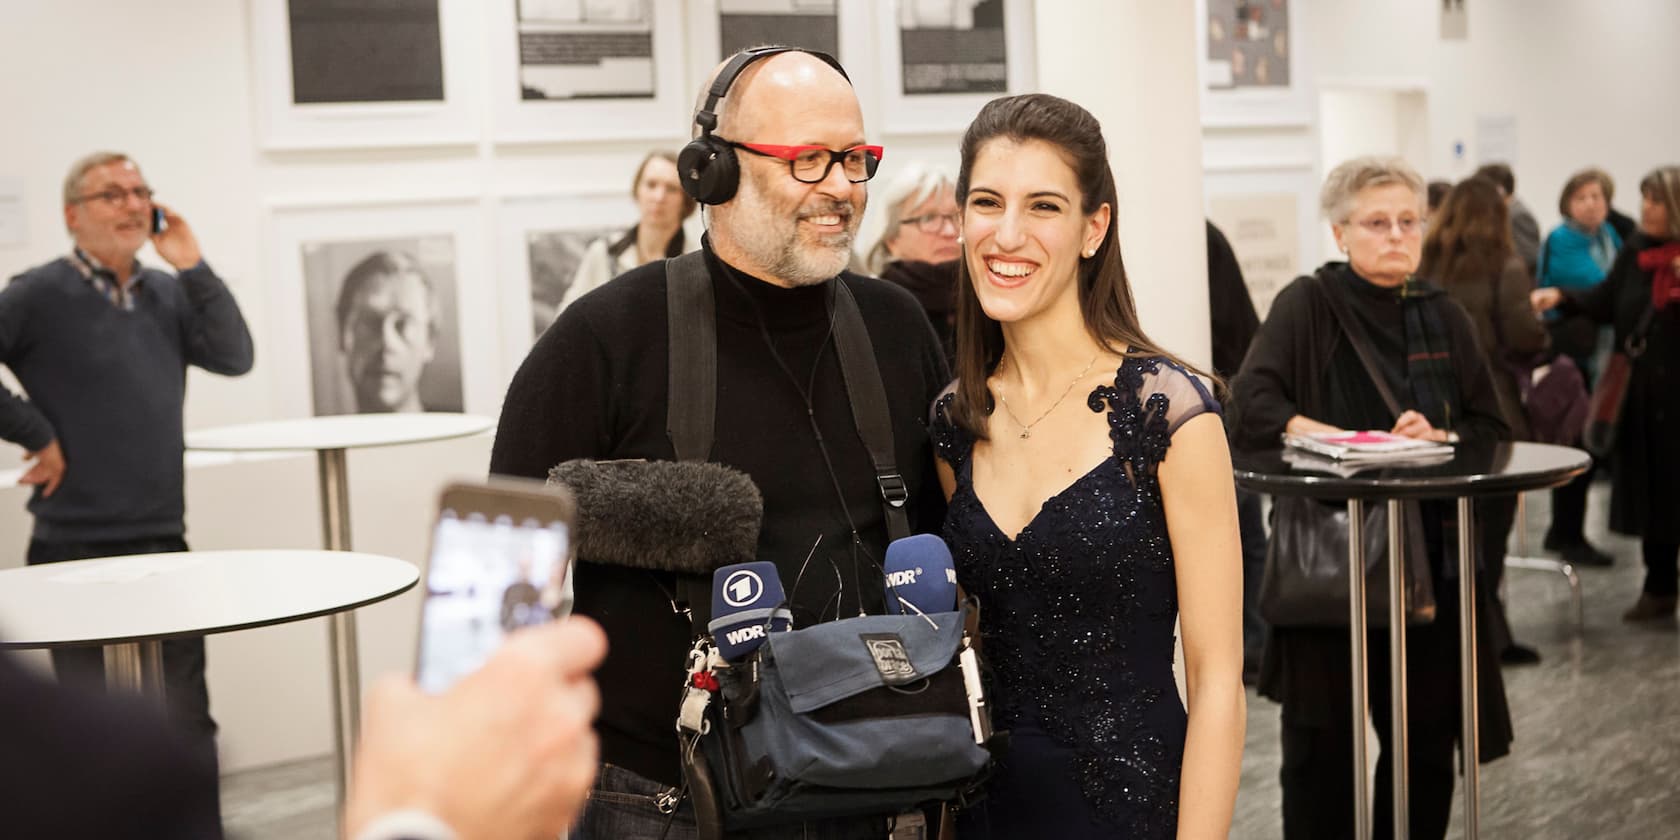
x=1604, y=411
x=1305, y=582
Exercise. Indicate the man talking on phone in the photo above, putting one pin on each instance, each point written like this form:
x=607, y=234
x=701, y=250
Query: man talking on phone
x=101, y=345
x=783, y=214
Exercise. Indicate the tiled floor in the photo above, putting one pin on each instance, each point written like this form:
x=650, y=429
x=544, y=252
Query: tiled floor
x=1598, y=727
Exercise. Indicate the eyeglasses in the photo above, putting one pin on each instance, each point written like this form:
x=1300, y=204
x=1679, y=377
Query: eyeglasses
x=934, y=222
x=116, y=195
x=1380, y=226
x=810, y=164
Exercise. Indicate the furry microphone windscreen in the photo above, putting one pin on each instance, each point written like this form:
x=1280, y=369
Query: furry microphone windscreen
x=678, y=516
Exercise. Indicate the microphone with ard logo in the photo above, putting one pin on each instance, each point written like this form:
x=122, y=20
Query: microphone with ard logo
x=920, y=576
x=747, y=604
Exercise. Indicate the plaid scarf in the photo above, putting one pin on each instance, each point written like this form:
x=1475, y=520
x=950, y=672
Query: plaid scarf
x=1429, y=367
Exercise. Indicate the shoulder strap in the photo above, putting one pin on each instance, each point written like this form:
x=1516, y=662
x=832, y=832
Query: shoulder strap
x=691, y=316
x=869, y=405
x=691, y=404
x=1339, y=308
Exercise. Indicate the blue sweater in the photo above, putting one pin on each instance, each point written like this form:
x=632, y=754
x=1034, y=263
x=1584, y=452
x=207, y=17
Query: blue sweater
x=108, y=384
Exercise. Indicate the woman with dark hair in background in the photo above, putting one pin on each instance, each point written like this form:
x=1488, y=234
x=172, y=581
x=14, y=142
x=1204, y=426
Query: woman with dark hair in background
x=1091, y=503
x=1640, y=298
x=1303, y=374
x=1575, y=258
x=1468, y=253
x=662, y=207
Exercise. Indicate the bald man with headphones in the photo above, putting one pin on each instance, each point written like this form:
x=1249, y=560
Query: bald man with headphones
x=816, y=383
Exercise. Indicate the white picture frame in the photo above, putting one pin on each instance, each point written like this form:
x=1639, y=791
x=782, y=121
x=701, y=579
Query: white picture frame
x=516, y=120
x=1261, y=180
x=283, y=125
x=518, y=218
x=296, y=227
x=1280, y=106
x=943, y=113
x=705, y=37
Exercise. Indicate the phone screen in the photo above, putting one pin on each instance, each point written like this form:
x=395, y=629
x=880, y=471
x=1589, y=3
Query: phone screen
x=490, y=574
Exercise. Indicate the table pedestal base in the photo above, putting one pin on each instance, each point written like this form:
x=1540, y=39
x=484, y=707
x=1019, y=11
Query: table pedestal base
x=136, y=668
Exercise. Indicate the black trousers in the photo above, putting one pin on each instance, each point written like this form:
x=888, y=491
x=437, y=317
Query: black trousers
x=1317, y=774
x=1495, y=516
x=1662, y=571
x=83, y=668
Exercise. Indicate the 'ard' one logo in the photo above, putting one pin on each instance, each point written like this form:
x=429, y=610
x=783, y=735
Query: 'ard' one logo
x=745, y=634
x=904, y=578
x=742, y=588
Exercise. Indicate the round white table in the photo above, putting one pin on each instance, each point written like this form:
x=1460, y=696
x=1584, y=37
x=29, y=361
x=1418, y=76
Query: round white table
x=131, y=604
x=329, y=438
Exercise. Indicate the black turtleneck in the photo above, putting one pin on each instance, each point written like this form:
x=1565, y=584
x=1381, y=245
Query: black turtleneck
x=594, y=386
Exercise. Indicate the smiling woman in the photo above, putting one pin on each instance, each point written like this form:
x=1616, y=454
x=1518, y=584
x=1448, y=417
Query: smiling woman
x=1119, y=507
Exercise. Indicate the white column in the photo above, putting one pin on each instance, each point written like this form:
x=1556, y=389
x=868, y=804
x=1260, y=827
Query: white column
x=1132, y=63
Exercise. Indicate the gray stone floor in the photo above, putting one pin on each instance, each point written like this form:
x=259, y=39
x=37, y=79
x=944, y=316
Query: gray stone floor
x=1598, y=726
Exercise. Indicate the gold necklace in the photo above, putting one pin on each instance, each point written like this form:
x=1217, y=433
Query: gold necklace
x=1026, y=428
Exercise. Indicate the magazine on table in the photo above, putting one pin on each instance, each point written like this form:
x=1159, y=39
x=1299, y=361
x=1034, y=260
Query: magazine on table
x=1367, y=447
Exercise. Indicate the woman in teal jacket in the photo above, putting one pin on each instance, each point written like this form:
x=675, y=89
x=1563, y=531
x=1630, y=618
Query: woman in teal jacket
x=1575, y=258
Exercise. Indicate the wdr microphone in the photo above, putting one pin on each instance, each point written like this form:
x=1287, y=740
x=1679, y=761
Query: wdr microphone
x=920, y=576
x=747, y=604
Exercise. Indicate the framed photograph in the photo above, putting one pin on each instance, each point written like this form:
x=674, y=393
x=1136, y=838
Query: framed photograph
x=591, y=70
x=1251, y=63
x=383, y=308
x=941, y=60
x=363, y=73
x=540, y=240
x=718, y=28
x=1270, y=216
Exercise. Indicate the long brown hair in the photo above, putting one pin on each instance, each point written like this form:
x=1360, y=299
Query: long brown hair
x=1469, y=239
x=1105, y=296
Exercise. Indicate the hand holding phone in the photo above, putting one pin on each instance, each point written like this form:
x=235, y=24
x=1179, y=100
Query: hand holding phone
x=501, y=560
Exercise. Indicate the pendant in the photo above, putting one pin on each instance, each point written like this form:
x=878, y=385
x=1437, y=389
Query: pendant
x=1026, y=433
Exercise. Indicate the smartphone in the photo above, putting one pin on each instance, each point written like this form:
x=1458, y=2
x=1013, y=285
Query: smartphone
x=158, y=223
x=501, y=559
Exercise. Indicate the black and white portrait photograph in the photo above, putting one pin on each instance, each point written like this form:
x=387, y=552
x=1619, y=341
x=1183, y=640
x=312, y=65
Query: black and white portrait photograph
x=365, y=51
x=382, y=325
x=812, y=24
x=554, y=256
x=586, y=49
x=953, y=46
x=1247, y=44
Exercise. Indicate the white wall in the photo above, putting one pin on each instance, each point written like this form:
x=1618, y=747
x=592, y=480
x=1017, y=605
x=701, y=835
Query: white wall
x=1583, y=80
x=1130, y=63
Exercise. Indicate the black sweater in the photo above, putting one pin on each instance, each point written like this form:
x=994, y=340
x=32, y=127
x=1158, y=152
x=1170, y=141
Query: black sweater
x=594, y=386
x=108, y=383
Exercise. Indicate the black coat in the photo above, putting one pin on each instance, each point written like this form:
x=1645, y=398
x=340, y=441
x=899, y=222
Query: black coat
x=1301, y=363
x=1645, y=490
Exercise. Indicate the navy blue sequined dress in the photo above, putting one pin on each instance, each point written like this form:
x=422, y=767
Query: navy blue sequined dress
x=1077, y=616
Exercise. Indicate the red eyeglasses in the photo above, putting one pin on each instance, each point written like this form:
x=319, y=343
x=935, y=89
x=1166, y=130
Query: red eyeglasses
x=810, y=164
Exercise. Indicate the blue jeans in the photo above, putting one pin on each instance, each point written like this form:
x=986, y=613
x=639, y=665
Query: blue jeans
x=625, y=806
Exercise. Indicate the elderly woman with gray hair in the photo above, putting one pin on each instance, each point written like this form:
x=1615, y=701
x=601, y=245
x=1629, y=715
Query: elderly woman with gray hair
x=1303, y=373
x=915, y=243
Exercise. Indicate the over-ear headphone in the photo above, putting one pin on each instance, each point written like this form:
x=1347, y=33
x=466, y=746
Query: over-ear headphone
x=707, y=166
